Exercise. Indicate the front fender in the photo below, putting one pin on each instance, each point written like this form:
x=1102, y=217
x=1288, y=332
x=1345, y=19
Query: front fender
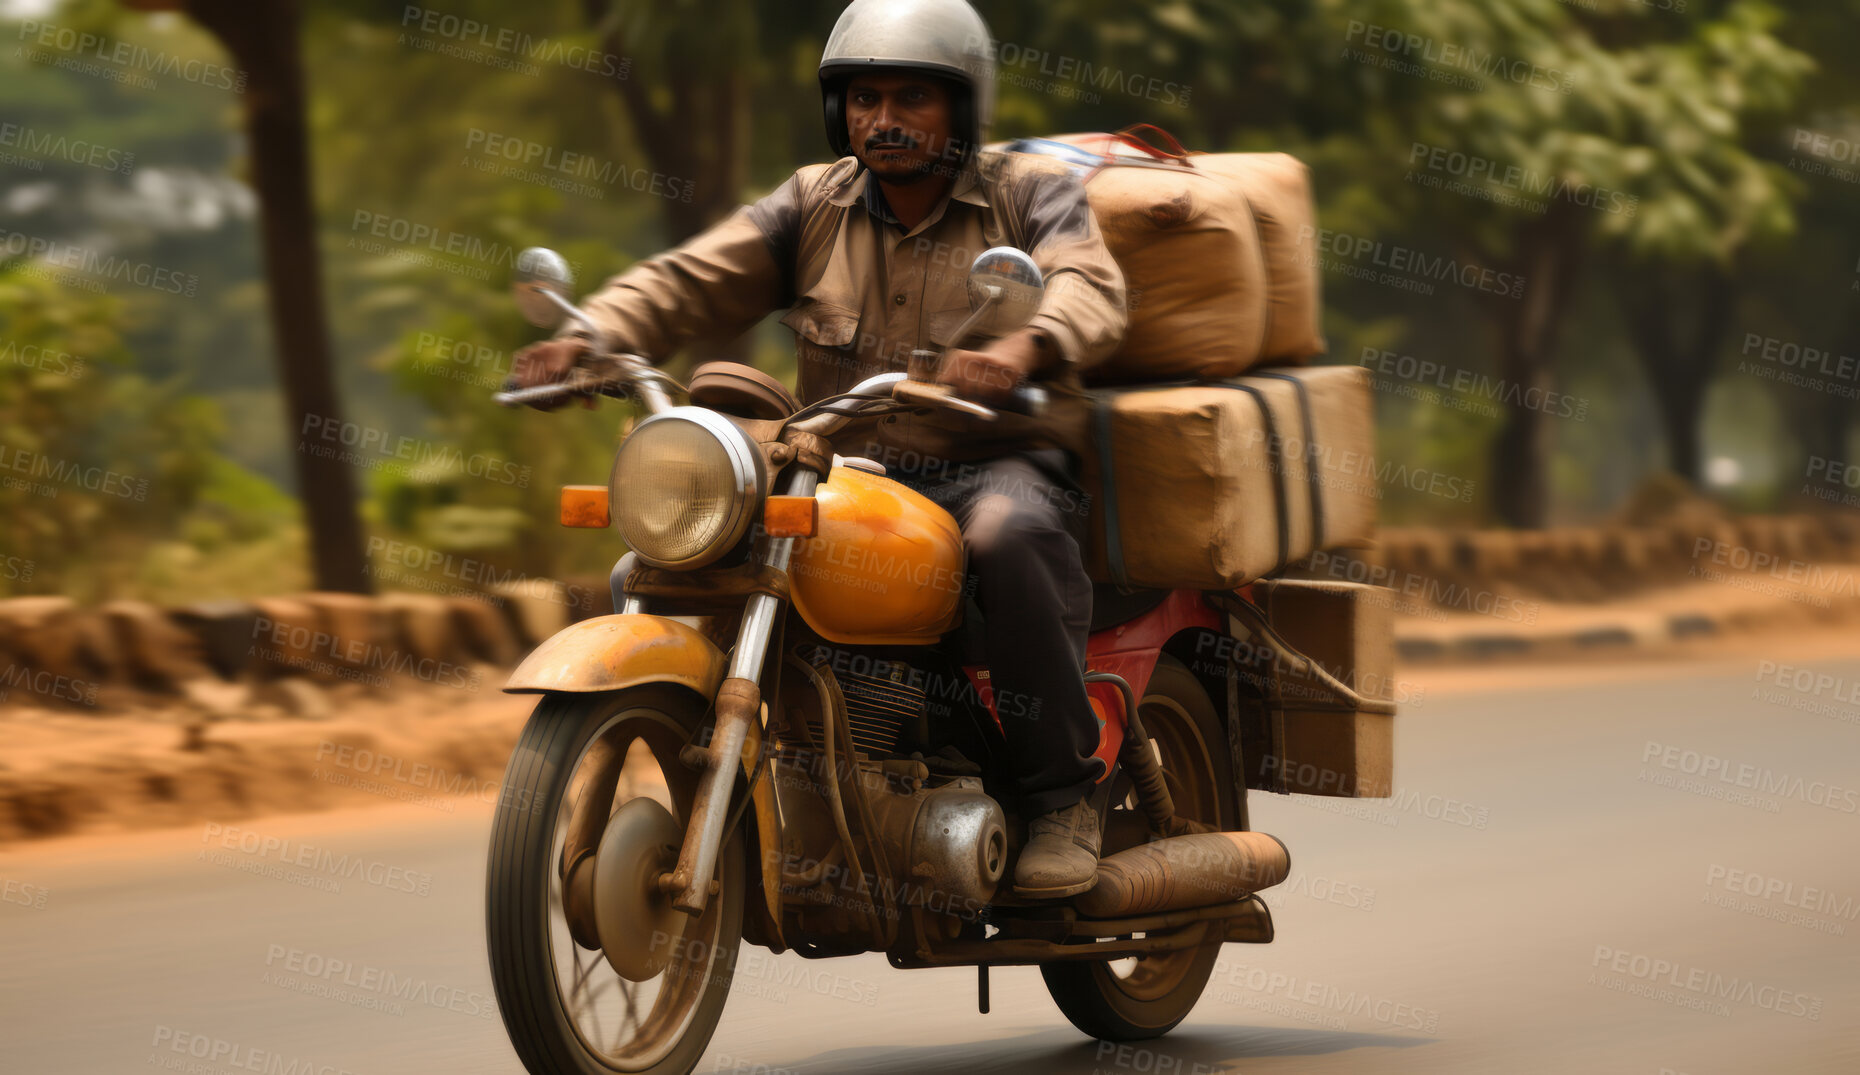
x=610, y=653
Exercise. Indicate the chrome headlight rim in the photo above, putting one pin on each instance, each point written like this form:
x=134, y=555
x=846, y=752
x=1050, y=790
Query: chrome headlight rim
x=749, y=477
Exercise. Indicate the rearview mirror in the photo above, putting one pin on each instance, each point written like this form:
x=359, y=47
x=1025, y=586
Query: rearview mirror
x=542, y=273
x=1005, y=290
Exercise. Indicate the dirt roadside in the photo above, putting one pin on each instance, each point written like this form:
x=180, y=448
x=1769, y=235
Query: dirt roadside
x=155, y=767
x=430, y=748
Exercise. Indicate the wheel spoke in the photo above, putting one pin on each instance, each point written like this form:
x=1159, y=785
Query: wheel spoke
x=560, y=992
x=629, y=1017
x=631, y=1011
x=628, y=1025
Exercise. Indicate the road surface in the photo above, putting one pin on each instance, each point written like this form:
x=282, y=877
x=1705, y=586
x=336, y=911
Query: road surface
x=1647, y=867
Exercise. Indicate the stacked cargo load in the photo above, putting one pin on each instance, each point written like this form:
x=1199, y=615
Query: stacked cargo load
x=1215, y=454
x=1217, y=457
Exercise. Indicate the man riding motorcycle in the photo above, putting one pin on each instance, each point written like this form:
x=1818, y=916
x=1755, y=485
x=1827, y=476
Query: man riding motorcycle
x=868, y=255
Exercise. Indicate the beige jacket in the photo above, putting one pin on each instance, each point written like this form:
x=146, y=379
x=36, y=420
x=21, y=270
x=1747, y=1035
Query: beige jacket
x=862, y=292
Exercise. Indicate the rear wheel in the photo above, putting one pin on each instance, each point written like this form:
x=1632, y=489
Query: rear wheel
x=1145, y=997
x=594, y=971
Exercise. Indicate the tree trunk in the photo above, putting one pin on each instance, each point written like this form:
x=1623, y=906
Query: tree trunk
x=1549, y=255
x=1685, y=448
x=1521, y=454
x=263, y=40
x=1679, y=365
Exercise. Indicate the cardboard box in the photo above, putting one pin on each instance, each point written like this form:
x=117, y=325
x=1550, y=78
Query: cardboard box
x=1329, y=748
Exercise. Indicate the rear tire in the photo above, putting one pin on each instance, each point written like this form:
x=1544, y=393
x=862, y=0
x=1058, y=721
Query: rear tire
x=558, y=1027
x=1138, y=999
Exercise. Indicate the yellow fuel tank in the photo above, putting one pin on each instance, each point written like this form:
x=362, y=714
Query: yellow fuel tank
x=885, y=567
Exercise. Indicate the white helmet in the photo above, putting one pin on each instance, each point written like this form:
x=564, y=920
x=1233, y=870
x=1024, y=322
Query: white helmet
x=946, y=38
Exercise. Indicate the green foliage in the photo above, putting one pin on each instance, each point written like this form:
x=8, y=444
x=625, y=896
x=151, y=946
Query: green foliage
x=1686, y=115
x=100, y=462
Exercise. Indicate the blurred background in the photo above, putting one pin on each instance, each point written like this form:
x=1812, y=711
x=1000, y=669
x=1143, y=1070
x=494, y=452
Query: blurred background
x=1601, y=257
x=221, y=218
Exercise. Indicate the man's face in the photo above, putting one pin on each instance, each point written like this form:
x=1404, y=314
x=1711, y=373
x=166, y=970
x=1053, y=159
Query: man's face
x=899, y=124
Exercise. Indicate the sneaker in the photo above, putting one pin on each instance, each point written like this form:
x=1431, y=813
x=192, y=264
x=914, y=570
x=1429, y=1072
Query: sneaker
x=1061, y=856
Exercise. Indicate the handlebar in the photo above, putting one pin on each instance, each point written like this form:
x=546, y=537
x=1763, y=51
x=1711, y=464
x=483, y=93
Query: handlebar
x=512, y=396
x=628, y=372
x=1029, y=399
x=623, y=375
x=616, y=375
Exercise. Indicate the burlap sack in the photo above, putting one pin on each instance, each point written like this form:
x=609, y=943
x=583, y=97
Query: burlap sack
x=1278, y=190
x=1212, y=486
x=1195, y=276
x=1208, y=244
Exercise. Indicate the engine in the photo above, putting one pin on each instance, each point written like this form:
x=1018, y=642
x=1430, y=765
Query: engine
x=942, y=837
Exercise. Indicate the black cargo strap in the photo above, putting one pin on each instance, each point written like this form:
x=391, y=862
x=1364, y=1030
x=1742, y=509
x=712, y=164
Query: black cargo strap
x=1113, y=533
x=1275, y=464
x=1102, y=406
x=1312, y=478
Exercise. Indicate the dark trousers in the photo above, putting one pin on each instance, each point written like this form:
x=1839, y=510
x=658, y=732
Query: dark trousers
x=1022, y=517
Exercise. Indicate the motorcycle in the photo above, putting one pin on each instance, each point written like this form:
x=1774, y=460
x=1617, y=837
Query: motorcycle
x=783, y=736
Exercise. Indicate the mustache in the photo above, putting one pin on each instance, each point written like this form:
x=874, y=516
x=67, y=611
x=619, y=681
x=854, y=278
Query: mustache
x=894, y=137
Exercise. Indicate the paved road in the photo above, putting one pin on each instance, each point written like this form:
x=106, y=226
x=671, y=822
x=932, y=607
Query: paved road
x=1551, y=890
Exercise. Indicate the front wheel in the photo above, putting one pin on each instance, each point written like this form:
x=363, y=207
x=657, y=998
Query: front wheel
x=593, y=969
x=1145, y=997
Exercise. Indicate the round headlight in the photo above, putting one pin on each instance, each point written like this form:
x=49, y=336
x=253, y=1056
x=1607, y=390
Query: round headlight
x=685, y=486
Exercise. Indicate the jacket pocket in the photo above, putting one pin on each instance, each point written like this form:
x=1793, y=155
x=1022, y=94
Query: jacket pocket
x=826, y=360
x=823, y=323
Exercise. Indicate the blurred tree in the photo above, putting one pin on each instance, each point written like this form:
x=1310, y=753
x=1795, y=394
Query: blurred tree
x=1664, y=107
x=433, y=332
x=1549, y=132
x=263, y=40
x=98, y=461
x=1705, y=88
x=1809, y=292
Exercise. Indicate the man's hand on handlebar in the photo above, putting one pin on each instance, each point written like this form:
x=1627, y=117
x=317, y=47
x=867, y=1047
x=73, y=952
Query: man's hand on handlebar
x=549, y=362
x=991, y=374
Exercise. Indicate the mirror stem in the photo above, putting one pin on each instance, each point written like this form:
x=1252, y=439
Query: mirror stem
x=962, y=331
x=597, y=339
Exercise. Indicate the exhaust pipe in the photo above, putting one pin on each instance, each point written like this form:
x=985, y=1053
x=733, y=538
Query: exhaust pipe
x=1183, y=872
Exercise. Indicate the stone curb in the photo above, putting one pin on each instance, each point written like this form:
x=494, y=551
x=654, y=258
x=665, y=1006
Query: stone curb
x=1612, y=632
x=1486, y=644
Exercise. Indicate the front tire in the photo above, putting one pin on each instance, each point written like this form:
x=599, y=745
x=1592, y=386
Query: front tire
x=1141, y=998
x=580, y=758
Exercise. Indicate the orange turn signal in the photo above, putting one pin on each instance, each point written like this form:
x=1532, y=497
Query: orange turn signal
x=790, y=516
x=585, y=507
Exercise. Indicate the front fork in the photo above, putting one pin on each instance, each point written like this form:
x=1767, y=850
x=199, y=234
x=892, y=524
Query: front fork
x=739, y=701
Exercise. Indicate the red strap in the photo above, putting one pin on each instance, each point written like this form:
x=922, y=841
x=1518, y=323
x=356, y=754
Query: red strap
x=1175, y=152
x=1105, y=146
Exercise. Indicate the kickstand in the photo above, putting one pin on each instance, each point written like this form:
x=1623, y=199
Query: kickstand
x=981, y=987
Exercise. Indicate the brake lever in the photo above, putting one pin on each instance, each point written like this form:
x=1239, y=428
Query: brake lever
x=939, y=395
x=579, y=382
